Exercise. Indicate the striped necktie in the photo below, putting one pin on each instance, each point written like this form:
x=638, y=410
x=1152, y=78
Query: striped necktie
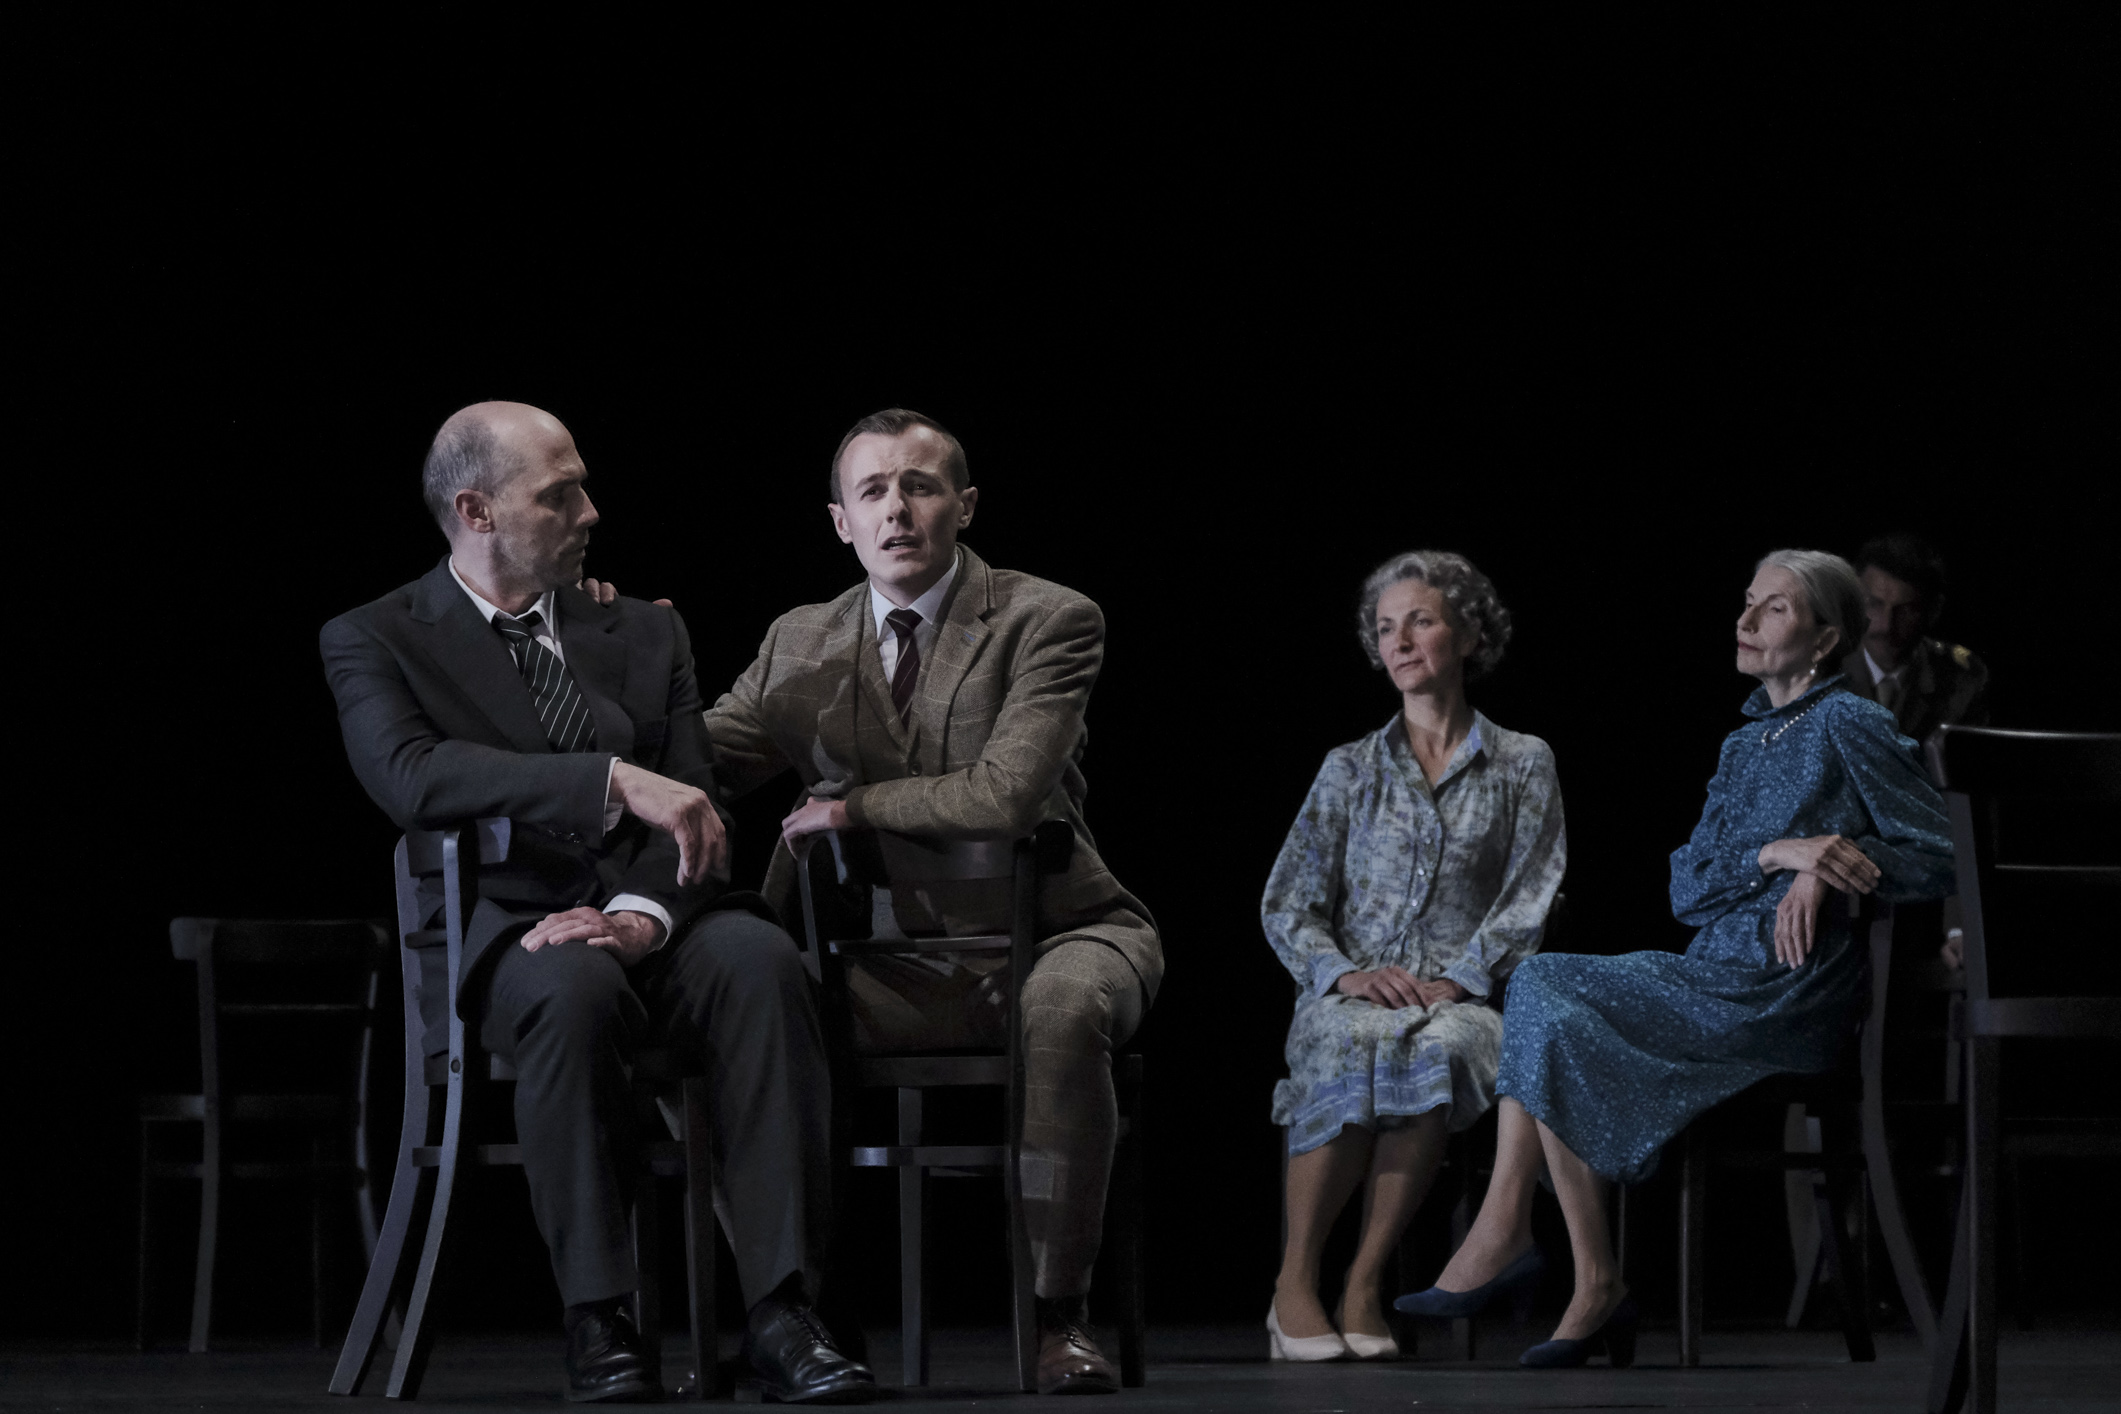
x=904, y=622
x=559, y=702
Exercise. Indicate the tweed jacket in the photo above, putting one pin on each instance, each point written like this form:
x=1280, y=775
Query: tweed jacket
x=992, y=745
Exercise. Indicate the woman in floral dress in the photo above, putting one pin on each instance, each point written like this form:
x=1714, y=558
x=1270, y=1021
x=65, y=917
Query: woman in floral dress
x=1417, y=875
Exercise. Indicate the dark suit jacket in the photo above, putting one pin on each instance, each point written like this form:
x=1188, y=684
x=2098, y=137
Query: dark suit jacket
x=1944, y=685
x=441, y=730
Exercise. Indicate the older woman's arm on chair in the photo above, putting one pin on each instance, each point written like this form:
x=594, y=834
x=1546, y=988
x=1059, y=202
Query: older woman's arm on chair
x=1539, y=853
x=1912, y=846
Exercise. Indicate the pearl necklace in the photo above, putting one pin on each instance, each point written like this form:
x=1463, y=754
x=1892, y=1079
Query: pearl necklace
x=1775, y=734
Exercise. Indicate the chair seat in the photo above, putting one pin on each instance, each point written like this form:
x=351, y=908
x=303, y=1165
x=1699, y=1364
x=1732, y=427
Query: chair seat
x=314, y=1109
x=997, y=943
x=291, y=1169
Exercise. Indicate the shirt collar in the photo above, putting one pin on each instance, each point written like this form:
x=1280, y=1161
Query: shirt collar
x=1879, y=674
x=543, y=608
x=1758, y=705
x=928, y=606
x=1472, y=746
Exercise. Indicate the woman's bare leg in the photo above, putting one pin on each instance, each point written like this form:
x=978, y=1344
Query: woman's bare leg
x=1320, y=1183
x=1402, y=1167
x=1582, y=1193
x=1503, y=1229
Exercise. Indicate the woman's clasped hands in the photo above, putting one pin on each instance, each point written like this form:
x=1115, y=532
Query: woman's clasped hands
x=1821, y=862
x=1395, y=987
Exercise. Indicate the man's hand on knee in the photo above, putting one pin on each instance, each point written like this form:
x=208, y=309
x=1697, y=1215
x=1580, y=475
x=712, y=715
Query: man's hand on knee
x=626, y=935
x=683, y=812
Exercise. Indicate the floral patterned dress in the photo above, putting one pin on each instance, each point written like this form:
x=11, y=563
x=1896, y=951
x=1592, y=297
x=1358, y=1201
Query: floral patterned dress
x=1617, y=1054
x=1450, y=881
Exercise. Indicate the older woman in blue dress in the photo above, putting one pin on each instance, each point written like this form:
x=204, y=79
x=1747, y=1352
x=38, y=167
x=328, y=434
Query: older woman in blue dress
x=1606, y=1058
x=1419, y=871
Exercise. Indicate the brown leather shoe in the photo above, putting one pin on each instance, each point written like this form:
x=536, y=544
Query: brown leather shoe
x=1069, y=1361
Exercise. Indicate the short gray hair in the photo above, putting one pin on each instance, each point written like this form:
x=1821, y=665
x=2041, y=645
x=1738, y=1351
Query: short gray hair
x=1832, y=592
x=1472, y=599
x=466, y=456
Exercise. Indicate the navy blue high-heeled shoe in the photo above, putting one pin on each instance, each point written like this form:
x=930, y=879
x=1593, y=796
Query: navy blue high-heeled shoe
x=1454, y=1304
x=1616, y=1338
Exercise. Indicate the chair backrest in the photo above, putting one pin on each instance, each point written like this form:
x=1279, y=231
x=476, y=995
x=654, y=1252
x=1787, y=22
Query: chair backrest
x=920, y=884
x=293, y=972
x=426, y=855
x=2038, y=854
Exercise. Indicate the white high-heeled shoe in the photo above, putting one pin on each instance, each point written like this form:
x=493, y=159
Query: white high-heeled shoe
x=1310, y=1348
x=1370, y=1347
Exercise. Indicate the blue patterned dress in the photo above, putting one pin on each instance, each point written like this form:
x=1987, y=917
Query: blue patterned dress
x=1382, y=869
x=1617, y=1054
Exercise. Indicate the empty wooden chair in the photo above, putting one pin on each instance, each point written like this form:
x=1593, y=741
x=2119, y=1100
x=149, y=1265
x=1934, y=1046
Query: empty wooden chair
x=267, y=989
x=2040, y=890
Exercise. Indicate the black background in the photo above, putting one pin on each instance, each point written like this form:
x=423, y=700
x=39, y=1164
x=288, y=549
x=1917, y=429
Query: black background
x=1612, y=305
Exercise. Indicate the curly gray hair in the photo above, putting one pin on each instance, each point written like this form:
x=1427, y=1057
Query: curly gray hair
x=1832, y=591
x=1475, y=606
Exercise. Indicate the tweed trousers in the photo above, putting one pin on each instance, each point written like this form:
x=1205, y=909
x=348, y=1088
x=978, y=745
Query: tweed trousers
x=1082, y=1001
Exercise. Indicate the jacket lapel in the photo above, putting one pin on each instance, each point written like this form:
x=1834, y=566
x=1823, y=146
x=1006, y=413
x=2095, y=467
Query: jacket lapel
x=959, y=638
x=597, y=658
x=465, y=646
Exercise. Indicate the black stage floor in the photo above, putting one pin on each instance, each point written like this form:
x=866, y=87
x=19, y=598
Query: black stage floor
x=1192, y=1368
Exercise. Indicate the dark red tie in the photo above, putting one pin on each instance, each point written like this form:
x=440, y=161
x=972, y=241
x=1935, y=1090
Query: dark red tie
x=903, y=622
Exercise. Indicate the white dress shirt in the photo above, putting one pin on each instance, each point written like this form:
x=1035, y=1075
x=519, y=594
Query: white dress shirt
x=929, y=606
x=1880, y=677
x=548, y=634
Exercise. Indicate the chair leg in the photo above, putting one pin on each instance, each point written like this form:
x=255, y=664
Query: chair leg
x=417, y=1339
x=141, y=1290
x=1465, y=1337
x=386, y=1265
x=1983, y=1114
x=912, y=1247
x=699, y=1240
x=1833, y=1208
x=647, y=1252
x=202, y=1289
x=1127, y=1207
x=1693, y=1203
x=1022, y=1277
x=316, y=1243
x=1947, y=1391
x=1884, y=1188
x=2021, y=1290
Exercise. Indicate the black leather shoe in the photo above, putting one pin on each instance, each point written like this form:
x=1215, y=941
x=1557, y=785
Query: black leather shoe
x=797, y=1361
x=605, y=1361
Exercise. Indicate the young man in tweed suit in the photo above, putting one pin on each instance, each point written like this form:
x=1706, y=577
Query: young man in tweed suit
x=946, y=697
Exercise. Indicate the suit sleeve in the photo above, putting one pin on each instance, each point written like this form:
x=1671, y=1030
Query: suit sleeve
x=426, y=781
x=689, y=757
x=745, y=754
x=1003, y=794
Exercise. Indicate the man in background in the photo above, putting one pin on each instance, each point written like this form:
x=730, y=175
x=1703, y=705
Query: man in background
x=1925, y=682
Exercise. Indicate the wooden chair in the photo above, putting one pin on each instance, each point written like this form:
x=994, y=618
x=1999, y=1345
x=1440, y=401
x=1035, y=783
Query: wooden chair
x=2042, y=964
x=844, y=866
x=270, y=976
x=434, y=1146
x=1852, y=1165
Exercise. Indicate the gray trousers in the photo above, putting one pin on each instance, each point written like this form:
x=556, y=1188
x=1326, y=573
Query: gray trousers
x=732, y=994
x=1081, y=1002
